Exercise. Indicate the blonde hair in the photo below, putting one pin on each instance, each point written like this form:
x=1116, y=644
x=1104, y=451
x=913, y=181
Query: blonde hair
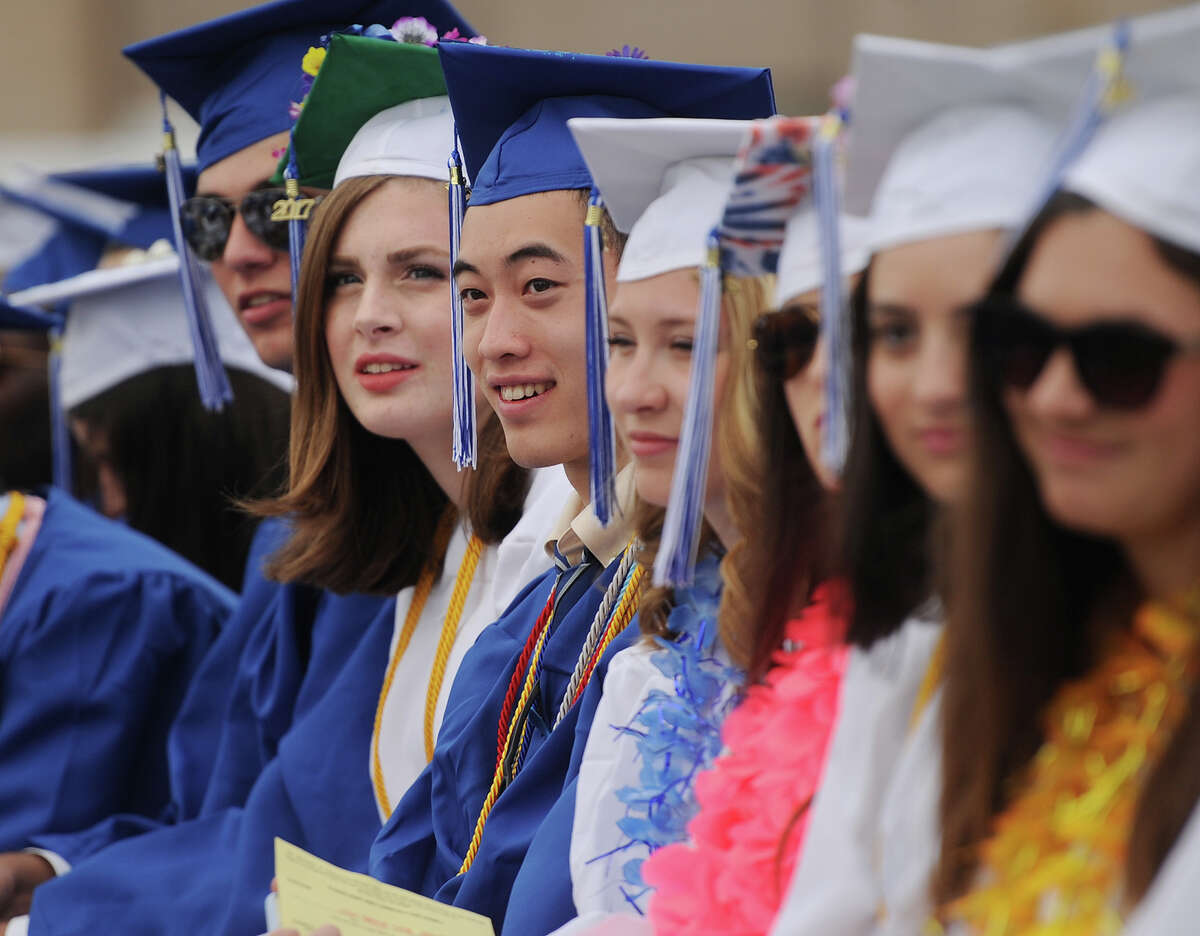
x=737, y=442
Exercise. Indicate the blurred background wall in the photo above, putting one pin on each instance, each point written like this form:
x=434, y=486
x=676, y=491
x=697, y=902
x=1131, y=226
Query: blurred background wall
x=70, y=100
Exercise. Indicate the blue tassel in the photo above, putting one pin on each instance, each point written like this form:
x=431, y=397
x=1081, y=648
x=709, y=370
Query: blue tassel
x=213, y=383
x=675, y=564
x=1106, y=89
x=298, y=210
x=602, y=445
x=834, y=320
x=60, y=436
x=464, y=449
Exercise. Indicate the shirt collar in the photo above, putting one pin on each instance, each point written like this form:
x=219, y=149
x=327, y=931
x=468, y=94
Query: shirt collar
x=580, y=530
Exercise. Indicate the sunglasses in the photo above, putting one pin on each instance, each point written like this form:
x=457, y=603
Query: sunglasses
x=785, y=341
x=1120, y=363
x=208, y=219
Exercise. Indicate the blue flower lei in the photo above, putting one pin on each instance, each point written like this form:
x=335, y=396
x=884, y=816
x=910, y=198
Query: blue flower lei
x=678, y=733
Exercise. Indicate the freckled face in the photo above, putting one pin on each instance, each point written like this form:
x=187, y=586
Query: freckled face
x=387, y=323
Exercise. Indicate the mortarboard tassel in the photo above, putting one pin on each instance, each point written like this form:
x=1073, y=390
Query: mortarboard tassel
x=835, y=441
x=676, y=561
x=602, y=446
x=464, y=448
x=211, y=379
x=60, y=437
x=297, y=211
x=1106, y=90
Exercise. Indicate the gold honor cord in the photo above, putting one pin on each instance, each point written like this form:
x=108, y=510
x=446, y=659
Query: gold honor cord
x=8, y=526
x=462, y=585
x=929, y=682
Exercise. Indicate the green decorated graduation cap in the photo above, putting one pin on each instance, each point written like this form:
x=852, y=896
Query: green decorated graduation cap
x=360, y=77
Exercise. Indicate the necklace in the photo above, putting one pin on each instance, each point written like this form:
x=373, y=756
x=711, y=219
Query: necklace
x=1056, y=859
x=458, y=597
x=8, y=526
x=618, y=605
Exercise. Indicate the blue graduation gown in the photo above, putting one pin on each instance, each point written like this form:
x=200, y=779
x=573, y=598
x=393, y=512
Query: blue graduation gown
x=275, y=658
x=98, y=642
x=423, y=843
x=210, y=874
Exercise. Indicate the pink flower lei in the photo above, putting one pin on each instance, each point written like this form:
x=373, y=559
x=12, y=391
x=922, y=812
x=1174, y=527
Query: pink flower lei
x=731, y=877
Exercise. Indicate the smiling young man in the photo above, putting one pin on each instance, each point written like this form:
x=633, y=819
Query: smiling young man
x=508, y=741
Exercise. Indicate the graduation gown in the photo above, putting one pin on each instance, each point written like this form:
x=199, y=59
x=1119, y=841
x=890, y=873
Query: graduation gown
x=424, y=842
x=839, y=885
x=275, y=657
x=211, y=873
x=100, y=636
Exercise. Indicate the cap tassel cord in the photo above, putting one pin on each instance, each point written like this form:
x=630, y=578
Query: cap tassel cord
x=60, y=437
x=297, y=212
x=1105, y=91
x=835, y=442
x=675, y=564
x=464, y=447
x=213, y=383
x=602, y=444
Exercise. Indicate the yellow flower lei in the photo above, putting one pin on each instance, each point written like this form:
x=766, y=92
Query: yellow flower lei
x=1055, y=862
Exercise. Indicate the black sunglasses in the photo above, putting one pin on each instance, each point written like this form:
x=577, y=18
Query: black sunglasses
x=208, y=219
x=1120, y=363
x=785, y=341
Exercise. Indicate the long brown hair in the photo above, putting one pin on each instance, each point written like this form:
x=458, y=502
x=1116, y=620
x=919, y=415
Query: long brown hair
x=364, y=509
x=774, y=492
x=1017, y=630
x=887, y=519
x=737, y=442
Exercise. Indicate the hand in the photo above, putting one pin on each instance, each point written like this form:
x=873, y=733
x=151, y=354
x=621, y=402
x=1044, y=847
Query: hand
x=327, y=930
x=20, y=873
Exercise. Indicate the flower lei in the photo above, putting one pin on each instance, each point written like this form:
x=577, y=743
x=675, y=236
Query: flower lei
x=730, y=878
x=1056, y=859
x=414, y=30
x=678, y=733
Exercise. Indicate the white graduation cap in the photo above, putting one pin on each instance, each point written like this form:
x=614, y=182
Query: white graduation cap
x=949, y=139
x=1144, y=164
x=664, y=181
x=800, y=268
x=127, y=319
x=411, y=139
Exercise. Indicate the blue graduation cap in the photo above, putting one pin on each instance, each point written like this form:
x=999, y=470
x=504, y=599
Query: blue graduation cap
x=236, y=75
x=511, y=108
x=124, y=205
x=25, y=318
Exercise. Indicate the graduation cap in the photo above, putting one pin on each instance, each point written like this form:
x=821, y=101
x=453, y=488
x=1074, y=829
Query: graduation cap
x=361, y=77
x=124, y=205
x=111, y=324
x=237, y=74
x=511, y=108
x=1143, y=165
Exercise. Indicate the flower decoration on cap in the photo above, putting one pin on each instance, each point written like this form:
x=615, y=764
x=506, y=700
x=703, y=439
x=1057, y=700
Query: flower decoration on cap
x=415, y=29
x=455, y=36
x=628, y=51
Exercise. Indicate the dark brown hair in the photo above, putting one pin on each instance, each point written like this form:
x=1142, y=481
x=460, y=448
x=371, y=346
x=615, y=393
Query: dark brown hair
x=1017, y=630
x=777, y=495
x=182, y=466
x=364, y=509
x=887, y=518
